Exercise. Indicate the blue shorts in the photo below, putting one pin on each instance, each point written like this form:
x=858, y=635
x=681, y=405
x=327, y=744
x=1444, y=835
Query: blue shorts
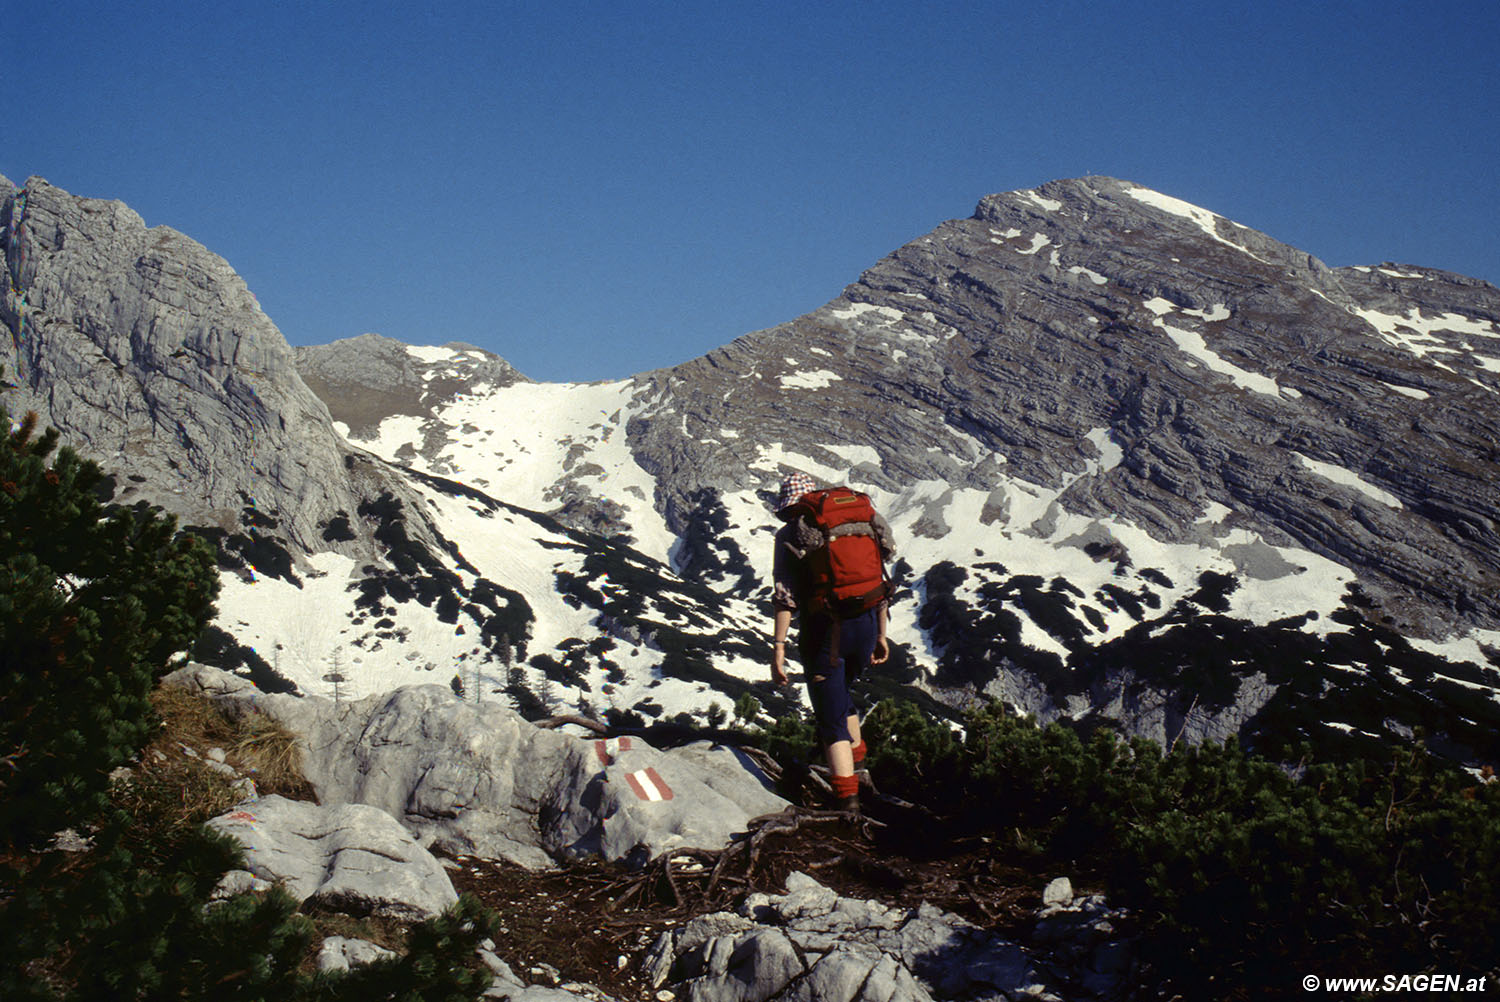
x=834, y=652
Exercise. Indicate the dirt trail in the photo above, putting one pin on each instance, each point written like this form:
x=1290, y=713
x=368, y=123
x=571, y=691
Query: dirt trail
x=592, y=922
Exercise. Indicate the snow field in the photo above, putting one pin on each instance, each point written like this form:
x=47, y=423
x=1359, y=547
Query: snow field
x=1417, y=334
x=1192, y=343
x=531, y=436
x=511, y=553
x=1348, y=478
x=1206, y=221
x=305, y=633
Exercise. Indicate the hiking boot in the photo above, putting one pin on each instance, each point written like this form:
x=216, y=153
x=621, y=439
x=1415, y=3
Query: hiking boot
x=847, y=804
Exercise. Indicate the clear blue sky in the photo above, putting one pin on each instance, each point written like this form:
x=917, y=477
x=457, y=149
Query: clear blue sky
x=595, y=189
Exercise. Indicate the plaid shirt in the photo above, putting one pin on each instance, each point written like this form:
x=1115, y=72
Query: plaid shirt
x=794, y=541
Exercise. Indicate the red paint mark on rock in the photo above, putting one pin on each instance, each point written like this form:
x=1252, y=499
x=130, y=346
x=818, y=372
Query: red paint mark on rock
x=610, y=749
x=648, y=785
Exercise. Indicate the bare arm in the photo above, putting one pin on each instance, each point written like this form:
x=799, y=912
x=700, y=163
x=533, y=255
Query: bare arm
x=778, y=649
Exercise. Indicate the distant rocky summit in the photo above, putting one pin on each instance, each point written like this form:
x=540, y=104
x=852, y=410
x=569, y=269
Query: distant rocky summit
x=1137, y=360
x=1145, y=466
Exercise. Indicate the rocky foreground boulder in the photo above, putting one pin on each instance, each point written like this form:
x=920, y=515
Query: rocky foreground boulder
x=479, y=780
x=814, y=944
x=351, y=858
x=418, y=767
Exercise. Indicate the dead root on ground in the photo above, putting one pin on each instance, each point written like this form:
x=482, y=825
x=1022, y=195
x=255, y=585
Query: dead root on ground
x=697, y=880
x=593, y=920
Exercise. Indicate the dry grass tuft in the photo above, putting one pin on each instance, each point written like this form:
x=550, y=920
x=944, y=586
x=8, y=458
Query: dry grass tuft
x=386, y=932
x=269, y=753
x=254, y=744
x=168, y=794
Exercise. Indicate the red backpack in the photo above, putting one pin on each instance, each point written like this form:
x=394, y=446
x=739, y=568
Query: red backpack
x=846, y=573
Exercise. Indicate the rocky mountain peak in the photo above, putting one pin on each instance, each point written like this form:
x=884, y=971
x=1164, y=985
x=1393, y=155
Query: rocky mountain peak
x=369, y=378
x=152, y=357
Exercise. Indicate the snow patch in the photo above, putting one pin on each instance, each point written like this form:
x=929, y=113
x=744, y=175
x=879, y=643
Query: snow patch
x=1416, y=394
x=1110, y=454
x=1462, y=647
x=1213, y=514
x=1416, y=334
x=1211, y=315
x=1202, y=218
x=1038, y=241
x=1046, y=204
x=1348, y=478
x=855, y=455
x=810, y=380
x=1192, y=343
x=774, y=457
x=884, y=313
x=431, y=354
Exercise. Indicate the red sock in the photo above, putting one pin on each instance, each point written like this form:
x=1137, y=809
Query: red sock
x=845, y=786
x=859, y=752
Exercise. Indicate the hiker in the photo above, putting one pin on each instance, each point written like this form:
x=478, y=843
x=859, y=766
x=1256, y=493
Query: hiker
x=829, y=569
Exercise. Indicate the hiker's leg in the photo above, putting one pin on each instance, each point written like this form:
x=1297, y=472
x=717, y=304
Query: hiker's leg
x=857, y=646
x=832, y=712
x=857, y=748
x=832, y=707
x=840, y=756
x=831, y=703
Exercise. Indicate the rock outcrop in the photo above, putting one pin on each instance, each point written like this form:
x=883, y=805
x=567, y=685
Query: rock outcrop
x=370, y=378
x=812, y=944
x=479, y=780
x=348, y=858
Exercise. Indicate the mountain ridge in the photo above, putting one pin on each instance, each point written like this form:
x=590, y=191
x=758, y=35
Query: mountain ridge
x=1107, y=425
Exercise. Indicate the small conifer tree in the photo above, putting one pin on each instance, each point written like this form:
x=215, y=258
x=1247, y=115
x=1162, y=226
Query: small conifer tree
x=94, y=608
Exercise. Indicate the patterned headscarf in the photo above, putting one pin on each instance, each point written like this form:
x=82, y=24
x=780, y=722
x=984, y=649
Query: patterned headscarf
x=792, y=489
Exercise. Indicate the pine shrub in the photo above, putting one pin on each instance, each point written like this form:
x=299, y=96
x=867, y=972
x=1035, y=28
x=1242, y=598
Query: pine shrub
x=95, y=606
x=1238, y=867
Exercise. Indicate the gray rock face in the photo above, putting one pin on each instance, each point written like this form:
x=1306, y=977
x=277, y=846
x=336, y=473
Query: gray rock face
x=1215, y=358
x=340, y=953
x=480, y=780
x=349, y=857
x=366, y=379
x=153, y=358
